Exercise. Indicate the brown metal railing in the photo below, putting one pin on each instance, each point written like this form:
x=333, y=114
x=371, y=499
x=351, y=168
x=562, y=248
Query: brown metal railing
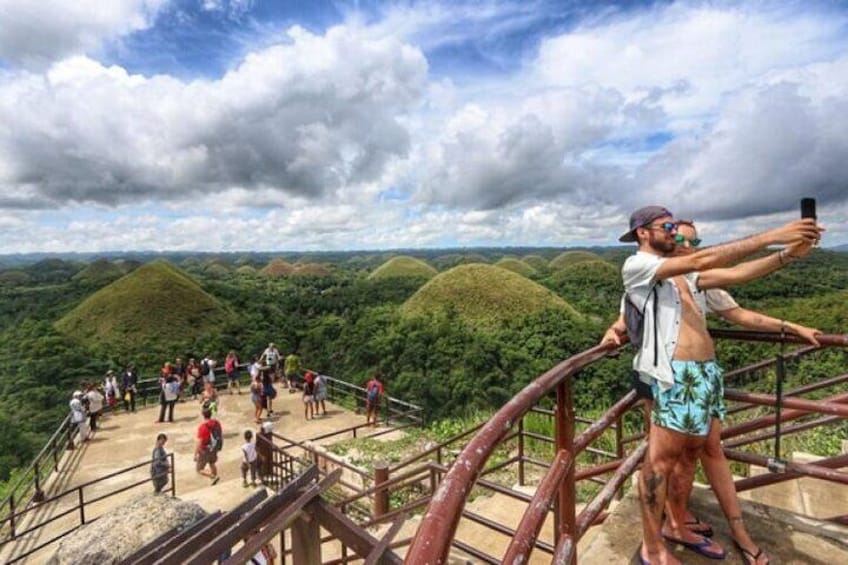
x=435, y=535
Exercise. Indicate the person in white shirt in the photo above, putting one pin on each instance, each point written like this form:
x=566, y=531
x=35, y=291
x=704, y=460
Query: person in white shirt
x=249, y=461
x=676, y=357
x=680, y=523
x=95, y=406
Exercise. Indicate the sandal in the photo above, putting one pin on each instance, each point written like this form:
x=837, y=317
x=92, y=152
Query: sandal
x=695, y=524
x=749, y=556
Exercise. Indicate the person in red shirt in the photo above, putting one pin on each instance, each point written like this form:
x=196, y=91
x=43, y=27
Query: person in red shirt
x=373, y=394
x=209, y=440
x=231, y=368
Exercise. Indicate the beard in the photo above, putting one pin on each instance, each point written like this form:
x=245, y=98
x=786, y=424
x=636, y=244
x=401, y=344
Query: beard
x=662, y=245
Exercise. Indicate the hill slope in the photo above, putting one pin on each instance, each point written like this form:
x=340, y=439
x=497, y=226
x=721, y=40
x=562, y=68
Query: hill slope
x=156, y=302
x=403, y=266
x=571, y=257
x=516, y=266
x=484, y=296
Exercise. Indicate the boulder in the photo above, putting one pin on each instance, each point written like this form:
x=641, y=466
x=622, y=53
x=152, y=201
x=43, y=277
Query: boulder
x=120, y=532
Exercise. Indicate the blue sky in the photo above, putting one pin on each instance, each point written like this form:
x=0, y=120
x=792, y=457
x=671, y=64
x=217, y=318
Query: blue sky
x=308, y=125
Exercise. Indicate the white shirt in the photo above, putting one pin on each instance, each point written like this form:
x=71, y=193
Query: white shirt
x=249, y=449
x=639, y=275
x=719, y=300
x=95, y=401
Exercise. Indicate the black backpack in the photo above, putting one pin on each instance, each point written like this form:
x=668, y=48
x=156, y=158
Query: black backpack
x=634, y=320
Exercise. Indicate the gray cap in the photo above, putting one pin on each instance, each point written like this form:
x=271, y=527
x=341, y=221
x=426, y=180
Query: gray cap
x=641, y=218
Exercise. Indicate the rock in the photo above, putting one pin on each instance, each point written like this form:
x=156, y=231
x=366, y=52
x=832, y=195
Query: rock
x=117, y=534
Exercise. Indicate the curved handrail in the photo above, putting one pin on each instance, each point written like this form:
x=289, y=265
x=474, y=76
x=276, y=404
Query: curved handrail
x=432, y=540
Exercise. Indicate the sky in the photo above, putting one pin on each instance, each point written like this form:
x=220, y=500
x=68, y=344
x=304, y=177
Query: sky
x=306, y=125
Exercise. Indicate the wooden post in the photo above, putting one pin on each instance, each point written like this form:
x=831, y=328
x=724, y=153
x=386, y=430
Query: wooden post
x=619, y=450
x=12, y=515
x=521, y=452
x=306, y=541
x=381, y=495
x=565, y=441
x=70, y=446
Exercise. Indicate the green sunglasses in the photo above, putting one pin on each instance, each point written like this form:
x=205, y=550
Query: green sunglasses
x=693, y=242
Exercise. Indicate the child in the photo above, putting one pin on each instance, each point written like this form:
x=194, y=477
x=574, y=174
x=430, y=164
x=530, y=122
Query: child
x=308, y=396
x=159, y=466
x=209, y=400
x=249, y=461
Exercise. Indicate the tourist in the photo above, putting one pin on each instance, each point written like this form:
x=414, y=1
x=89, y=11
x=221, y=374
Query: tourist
x=308, y=396
x=231, y=364
x=681, y=525
x=373, y=394
x=271, y=357
x=129, y=382
x=249, y=459
x=676, y=345
x=207, y=367
x=256, y=389
x=95, y=405
x=78, y=417
x=209, y=399
x=269, y=393
x=179, y=370
x=292, y=370
x=209, y=443
x=168, y=395
x=112, y=389
x=194, y=376
x=159, y=466
x=320, y=385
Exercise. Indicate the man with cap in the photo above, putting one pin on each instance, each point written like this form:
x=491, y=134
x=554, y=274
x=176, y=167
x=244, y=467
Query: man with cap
x=676, y=353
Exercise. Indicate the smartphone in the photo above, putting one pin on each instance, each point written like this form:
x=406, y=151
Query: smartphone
x=808, y=208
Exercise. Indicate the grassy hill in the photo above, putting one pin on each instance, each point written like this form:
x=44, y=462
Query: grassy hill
x=572, y=257
x=403, y=266
x=592, y=286
x=516, y=266
x=277, y=268
x=536, y=261
x=156, y=303
x=99, y=271
x=484, y=296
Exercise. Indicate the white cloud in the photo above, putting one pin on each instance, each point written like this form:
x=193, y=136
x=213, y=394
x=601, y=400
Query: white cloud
x=38, y=32
x=310, y=117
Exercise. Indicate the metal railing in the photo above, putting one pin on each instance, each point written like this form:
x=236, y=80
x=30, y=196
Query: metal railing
x=13, y=523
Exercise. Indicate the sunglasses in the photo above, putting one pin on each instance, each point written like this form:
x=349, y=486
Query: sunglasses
x=693, y=242
x=665, y=226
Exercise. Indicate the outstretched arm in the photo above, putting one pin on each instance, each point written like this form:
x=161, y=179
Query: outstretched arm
x=758, y=321
x=615, y=332
x=720, y=255
x=750, y=270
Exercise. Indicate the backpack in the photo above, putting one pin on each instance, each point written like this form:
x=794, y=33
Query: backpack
x=204, y=367
x=373, y=393
x=216, y=437
x=634, y=320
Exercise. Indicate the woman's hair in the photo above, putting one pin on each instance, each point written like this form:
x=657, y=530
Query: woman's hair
x=161, y=437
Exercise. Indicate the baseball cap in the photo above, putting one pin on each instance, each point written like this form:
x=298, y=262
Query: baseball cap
x=641, y=218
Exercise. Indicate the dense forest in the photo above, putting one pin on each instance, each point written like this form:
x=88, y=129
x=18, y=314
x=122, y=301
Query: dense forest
x=450, y=338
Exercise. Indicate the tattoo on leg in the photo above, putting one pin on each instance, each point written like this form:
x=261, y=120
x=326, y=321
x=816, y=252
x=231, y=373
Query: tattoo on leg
x=653, y=482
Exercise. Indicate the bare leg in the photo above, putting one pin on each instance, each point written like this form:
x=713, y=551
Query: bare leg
x=718, y=472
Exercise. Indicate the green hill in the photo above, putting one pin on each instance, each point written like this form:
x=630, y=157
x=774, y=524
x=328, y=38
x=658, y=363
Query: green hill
x=403, y=266
x=516, y=266
x=156, y=303
x=451, y=260
x=99, y=271
x=572, y=257
x=536, y=261
x=484, y=296
x=246, y=270
x=592, y=286
x=311, y=270
x=14, y=277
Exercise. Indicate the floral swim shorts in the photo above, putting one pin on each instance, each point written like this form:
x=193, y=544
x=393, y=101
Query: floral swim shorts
x=695, y=398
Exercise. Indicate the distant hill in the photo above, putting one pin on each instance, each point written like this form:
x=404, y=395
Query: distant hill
x=516, y=266
x=592, y=286
x=572, y=257
x=156, y=303
x=277, y=268
x=453, y=259
x=100, y=271
x=311, y=270
x=484, y=296
x=246, y=270
x=536, y=261
x=403, y=266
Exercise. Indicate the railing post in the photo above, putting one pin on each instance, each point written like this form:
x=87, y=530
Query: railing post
x=381, y=495
x=82, y=506
x=38, y=496
x=565, y=441
x=12, y=515
x=521, y=452
x=306, y=540
x=70, y=446
x=55, y=456
x=173, y=476
x=619, y=450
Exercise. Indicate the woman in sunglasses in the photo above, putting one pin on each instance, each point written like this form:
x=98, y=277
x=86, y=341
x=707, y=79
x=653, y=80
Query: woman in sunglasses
x=681, y=526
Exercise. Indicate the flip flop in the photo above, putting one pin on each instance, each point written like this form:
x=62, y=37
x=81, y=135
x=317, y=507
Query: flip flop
x=706, y=532
x=748, y=555
x=698, y=547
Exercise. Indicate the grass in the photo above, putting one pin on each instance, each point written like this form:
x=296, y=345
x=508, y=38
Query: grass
x=403, y=266
x=484, y=296
x=100, y=271
x=570, y=258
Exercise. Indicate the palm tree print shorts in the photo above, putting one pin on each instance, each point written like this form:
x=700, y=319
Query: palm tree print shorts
x=695, y=398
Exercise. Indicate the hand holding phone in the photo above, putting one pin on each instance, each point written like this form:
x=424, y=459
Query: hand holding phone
x=808, y=208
